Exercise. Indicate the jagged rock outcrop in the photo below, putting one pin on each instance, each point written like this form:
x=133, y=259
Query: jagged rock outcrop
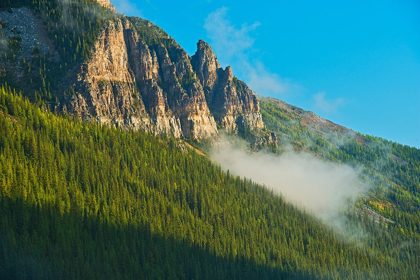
x=233, y=105
x=206, y=66
x=140, y=78
x=131, y=85
x=105, y=87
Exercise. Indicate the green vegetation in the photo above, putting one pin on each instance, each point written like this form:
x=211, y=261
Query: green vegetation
x=238, y=84
x=187, y=80
x=2, y=24
x=81, y=201
x=78, y=200
x=393, y=168
x=151, y=34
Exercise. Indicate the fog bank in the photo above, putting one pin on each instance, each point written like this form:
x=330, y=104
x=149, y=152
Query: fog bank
x=315, y=185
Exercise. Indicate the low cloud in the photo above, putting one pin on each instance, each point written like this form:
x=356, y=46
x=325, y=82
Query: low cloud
x=229, y=41
x=320, y=187
x=327, y=106
x=234, y=45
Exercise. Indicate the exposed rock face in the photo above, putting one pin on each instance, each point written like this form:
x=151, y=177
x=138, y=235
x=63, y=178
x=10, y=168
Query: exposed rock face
x=233, y=104
x=106, y=87
x=310, y=119
x=136, y=82
x=129, y=84
x=206, y=66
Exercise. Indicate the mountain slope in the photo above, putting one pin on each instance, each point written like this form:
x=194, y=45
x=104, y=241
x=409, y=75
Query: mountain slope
x=393, y=169
x=78, y=200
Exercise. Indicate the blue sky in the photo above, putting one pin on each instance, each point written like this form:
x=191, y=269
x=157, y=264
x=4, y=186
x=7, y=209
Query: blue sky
x=356, y=63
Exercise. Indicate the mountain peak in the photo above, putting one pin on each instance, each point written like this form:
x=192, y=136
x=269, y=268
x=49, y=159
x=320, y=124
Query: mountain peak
x=228, y=74
x=233, y=104
x=205, y=63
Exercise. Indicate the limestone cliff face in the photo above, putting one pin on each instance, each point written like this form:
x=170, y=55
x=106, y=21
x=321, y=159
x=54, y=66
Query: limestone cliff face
x=233, y=104
x=131, y=85
x=139, y=78
x=105, y=87
x=206, y=66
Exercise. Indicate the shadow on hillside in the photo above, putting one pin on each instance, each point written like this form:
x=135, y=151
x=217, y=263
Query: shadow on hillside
x=41, y=244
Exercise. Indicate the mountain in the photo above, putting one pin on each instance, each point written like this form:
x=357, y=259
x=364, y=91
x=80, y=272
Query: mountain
x=134, y=76
x=133, y=199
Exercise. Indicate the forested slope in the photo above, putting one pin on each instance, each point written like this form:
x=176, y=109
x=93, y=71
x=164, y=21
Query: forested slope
x=393, y=169
x=83, y=201
x=80, y=200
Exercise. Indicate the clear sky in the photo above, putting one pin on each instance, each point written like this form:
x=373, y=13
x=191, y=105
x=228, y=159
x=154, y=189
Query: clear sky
x=356, y=63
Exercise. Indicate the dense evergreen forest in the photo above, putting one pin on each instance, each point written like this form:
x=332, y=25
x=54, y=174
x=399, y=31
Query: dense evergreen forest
x=81, y=201
x=78, y=200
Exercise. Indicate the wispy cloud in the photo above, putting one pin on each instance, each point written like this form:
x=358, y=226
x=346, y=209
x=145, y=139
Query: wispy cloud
x=327, y=106
x=234, y=46
x=321, y=187
x=127, y=7
x=265, y=82
x=229, y=41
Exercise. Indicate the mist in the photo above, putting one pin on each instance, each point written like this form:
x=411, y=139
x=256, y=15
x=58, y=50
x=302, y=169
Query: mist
x=317, y=186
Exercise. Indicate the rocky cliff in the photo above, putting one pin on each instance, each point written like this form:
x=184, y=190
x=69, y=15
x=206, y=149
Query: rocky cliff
x=233, y=104
x=134, y=85
x=140, y=78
